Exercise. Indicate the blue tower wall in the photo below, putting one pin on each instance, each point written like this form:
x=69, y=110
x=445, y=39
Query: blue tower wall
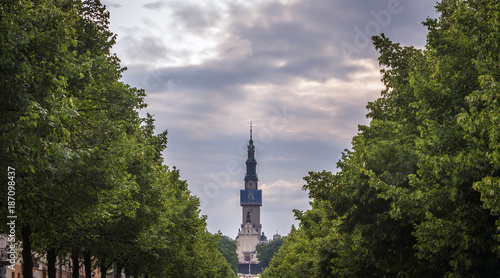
x=251, y=197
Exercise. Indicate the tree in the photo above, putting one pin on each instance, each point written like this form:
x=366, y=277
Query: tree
x=89, y=176
x=294, y=259
x=228, y=247
x=417, y=195
x=266, y=251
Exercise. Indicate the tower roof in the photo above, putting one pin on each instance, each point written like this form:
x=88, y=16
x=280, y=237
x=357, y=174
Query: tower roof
x=251, y=163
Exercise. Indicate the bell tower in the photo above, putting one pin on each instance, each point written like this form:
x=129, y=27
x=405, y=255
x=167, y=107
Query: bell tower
x=250, y=233
x=251, y=196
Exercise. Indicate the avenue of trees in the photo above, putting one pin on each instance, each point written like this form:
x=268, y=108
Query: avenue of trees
x=228, y=247
x=266, y=251
x=418, y=195
x=88, y=178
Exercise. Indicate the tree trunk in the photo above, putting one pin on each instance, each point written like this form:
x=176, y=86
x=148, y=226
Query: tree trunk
x=60, y=265
x=51, y=263
x=76, y=265
x=87, y=262
x=104, y=268
x=118, y=271
x=26, y=253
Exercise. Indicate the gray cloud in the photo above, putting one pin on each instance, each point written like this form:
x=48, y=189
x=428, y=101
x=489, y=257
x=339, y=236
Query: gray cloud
x=154, y=5
x=151, y=48
x=111, y=4
x=286, y=42
x=193, y=17
x=273, y=59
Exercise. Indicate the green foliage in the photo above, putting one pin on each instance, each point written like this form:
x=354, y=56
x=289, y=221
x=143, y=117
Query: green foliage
x=266, y=251
x=228, y=246
x=418, y=193
x=294, y=258
x=89, y=173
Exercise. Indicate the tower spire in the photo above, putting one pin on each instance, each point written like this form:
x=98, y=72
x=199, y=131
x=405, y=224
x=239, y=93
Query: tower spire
x=251, y=163
x=251, y=131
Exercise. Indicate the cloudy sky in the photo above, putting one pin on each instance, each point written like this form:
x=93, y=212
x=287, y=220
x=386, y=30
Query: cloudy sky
x=302, y=71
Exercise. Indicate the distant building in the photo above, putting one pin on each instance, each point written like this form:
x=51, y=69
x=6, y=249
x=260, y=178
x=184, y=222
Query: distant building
x=8, y=269
x=250, y=234
x=276, y=236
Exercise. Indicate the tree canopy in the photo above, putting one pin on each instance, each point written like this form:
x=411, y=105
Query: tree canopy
x=90, y=180
x=266, y=251
x=418, y=193
x=228, y=246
